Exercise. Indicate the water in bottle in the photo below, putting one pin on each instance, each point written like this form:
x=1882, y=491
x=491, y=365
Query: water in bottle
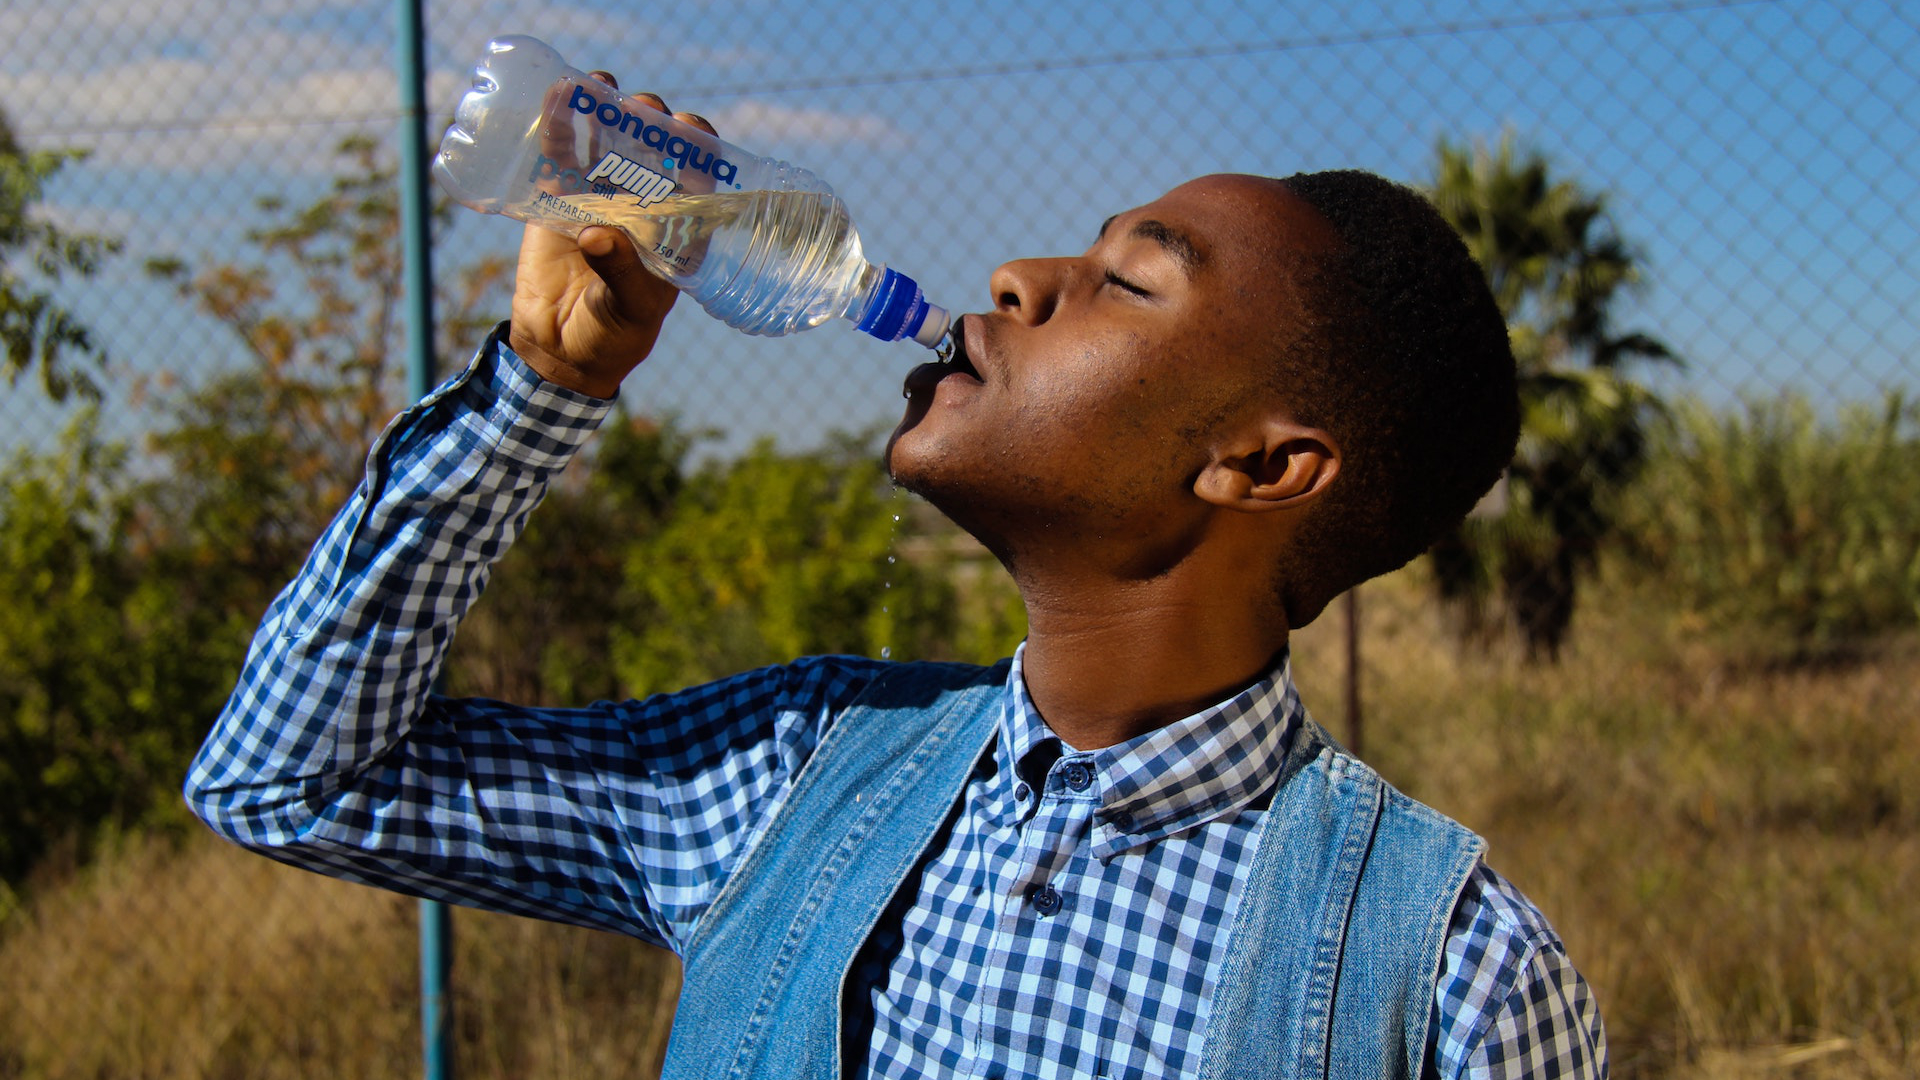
x=761, y=244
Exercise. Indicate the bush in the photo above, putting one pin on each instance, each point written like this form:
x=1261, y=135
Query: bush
x=107, y=679
x=773, y=556
x=1773, y=524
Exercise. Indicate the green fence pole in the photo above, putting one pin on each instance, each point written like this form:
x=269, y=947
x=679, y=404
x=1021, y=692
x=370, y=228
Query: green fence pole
x=436, y=945
x=436, y=923
x=415, y=210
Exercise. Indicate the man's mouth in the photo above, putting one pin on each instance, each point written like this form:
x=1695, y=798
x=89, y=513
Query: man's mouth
x=954, y=361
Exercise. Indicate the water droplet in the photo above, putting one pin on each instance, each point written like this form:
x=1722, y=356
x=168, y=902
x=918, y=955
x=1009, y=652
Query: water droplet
x=889, y=560
x=886, y=652
x=896, y=517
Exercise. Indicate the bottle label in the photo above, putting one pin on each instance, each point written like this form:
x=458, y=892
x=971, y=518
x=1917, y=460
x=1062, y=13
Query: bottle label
x=645, y=185
x=675, y=151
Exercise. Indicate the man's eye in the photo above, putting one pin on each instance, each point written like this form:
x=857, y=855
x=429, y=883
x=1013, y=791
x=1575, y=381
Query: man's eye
x=1116, y=279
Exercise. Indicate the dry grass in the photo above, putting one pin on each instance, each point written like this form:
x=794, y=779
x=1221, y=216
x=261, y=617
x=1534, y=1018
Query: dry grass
x=197, y=961
x=1731, y=852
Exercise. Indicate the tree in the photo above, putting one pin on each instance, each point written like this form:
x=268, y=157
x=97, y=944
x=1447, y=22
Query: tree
x=36, y=331
x=262, y=456
x=106, y=676
x=772, y=556
x=544, y=630
x=131, y=602
x=1557, y=266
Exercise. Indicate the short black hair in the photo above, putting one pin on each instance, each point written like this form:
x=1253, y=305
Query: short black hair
x=1404, y=359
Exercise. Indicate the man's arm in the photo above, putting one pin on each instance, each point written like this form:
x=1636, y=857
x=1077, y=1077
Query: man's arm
x=1509, y=1004
x=332, y=755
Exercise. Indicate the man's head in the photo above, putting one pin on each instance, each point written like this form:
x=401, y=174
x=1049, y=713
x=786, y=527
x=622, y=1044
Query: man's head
x=1406, y=361
x=1305, y=380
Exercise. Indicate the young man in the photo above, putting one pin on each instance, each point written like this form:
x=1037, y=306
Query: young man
x=1127, y=851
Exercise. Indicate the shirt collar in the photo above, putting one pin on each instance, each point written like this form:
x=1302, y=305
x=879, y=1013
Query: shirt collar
x=1194, y=770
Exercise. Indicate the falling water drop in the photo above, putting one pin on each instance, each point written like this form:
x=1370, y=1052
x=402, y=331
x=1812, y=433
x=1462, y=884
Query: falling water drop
x=886, y=584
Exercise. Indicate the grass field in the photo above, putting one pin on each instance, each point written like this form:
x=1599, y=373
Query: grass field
x=1731, y=850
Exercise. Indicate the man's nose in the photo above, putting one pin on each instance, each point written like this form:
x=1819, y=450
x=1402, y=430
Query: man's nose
x=1029, y=289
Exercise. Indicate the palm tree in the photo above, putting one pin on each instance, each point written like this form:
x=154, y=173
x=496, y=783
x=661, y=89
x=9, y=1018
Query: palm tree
x=1556, y=265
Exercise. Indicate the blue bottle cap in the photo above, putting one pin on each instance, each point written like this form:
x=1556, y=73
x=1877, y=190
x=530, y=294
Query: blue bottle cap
x=898, y=310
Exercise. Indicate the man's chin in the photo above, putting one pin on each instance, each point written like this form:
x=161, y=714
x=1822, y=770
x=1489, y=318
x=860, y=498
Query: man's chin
x=945, y=491
x=913, y=452
x=889, y=455
x=901, y=470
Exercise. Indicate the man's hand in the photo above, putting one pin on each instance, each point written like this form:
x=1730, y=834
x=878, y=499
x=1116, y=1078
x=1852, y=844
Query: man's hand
x=586, y=313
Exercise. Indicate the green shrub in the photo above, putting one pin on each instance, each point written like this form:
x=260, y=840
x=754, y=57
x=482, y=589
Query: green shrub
x=107, y=677
x=772, y=556
x=1770, y=522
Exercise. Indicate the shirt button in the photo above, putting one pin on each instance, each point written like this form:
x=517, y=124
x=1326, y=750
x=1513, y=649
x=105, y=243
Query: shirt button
x=1021, y=791
x=1045, y=900
x=1121, y=820
x=1078, y=776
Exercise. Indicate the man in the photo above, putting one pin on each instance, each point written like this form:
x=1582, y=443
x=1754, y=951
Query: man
x=1125, y=853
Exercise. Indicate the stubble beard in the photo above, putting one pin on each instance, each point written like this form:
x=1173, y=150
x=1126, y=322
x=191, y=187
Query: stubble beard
x=965, y=508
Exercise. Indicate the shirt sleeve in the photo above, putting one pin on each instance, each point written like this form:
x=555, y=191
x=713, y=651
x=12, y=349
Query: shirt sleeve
x=1508, y=1003
x=333, y=755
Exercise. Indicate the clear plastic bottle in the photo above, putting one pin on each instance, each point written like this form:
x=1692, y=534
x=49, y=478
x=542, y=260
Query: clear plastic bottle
x=763, y=245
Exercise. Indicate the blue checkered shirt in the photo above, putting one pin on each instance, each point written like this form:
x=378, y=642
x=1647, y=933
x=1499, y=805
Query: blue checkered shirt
x=1070, y=921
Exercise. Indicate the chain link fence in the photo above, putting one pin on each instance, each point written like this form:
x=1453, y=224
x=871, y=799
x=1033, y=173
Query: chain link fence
x=1731, y=186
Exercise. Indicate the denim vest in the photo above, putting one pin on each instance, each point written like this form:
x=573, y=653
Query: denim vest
x=1329, y=970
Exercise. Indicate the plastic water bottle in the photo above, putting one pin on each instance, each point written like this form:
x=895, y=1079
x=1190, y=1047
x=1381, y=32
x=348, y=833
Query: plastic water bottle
x=763, y=245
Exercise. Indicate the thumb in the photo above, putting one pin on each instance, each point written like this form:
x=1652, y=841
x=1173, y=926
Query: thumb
x=636, y=293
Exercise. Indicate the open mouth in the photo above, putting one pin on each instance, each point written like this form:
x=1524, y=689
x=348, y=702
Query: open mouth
x=953, y=361
x=953, y=355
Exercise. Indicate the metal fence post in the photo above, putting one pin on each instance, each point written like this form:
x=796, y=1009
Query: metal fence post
x=436, y=923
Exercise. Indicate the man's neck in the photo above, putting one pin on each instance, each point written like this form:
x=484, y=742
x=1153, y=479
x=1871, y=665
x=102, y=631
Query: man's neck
x=1106, y=662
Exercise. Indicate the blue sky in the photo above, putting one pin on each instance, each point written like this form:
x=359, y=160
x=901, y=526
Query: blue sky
x=1760, y=155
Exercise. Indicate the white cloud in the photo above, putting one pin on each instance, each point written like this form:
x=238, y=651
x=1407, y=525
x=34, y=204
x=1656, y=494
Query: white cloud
x=749, y=123
x=78, y=34
x=184, y=115
x=160, y=87
x=98, y=221
x=594, y=38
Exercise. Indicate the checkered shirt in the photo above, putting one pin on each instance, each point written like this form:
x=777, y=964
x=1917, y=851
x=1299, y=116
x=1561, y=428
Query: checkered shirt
x=1071, y=920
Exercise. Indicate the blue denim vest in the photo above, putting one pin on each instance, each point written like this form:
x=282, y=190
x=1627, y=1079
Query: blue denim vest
x=1329, y=970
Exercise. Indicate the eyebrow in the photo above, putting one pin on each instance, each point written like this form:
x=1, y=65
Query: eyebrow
x=1171, y=239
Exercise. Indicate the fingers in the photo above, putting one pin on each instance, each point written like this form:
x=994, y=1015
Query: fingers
x=654, y=101
x=690, y=183
x=637, y=294
x=608, y=251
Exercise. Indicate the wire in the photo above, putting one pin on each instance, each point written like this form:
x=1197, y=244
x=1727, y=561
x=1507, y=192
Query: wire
x=1212, y=52
x=983, y=71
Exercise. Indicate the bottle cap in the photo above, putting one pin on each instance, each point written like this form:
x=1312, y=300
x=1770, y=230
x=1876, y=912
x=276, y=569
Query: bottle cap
x=897, y=310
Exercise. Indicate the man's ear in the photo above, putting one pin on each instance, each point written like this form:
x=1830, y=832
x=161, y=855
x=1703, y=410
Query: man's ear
x=1279, y=465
